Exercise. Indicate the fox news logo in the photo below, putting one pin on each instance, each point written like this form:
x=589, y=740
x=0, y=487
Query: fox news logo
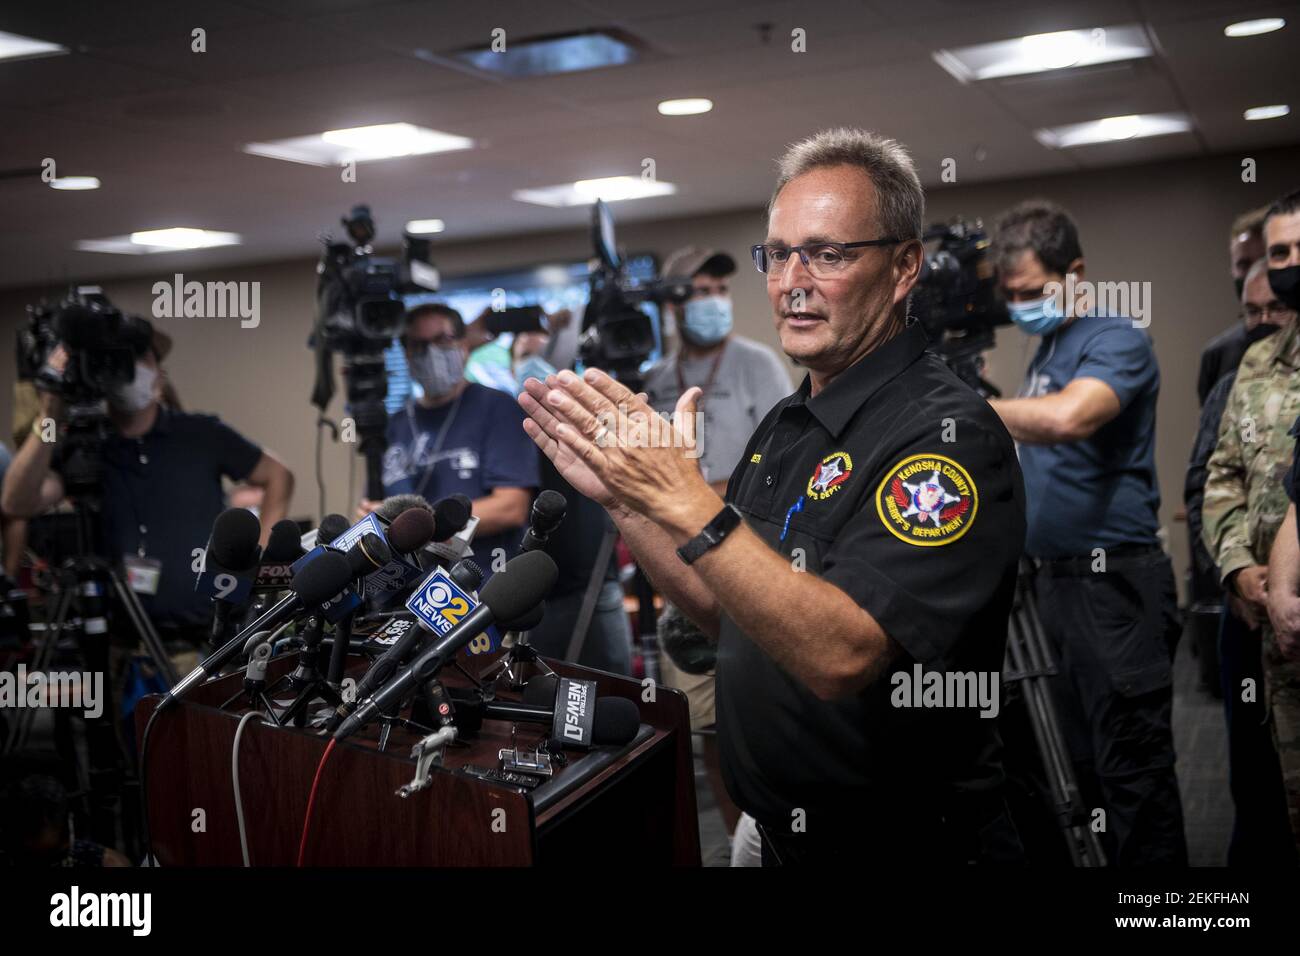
x=439, y=602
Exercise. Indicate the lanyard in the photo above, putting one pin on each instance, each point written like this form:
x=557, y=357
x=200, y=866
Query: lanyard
x=437, y=444
x=708, y=382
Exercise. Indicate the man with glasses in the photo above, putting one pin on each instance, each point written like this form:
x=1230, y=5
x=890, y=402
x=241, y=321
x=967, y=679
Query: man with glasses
x=1085, y=427
x=1245, y=495
x=1259, y=830
x=860, y=574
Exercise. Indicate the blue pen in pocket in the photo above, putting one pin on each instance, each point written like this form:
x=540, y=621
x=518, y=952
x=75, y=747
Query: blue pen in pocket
x=797, y=506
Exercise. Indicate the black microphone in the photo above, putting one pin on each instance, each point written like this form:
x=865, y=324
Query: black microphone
x=233, y=548
x=450, y=517
x=394, y=505
x=283, y=545
x=318, y=582
x=411, y=530
x=548, y=513
x=331, y=526
x=616, y=721
x=524, y=582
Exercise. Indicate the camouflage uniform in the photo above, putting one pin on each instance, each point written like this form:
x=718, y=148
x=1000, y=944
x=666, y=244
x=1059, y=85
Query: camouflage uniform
x=1245, y=502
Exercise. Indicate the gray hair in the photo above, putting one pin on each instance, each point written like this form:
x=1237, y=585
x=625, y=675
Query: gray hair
x=900, y=199
x=1257, y=268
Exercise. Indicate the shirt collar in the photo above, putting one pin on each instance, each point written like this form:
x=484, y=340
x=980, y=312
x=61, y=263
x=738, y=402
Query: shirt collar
x=1287, y=350
x=836, y=404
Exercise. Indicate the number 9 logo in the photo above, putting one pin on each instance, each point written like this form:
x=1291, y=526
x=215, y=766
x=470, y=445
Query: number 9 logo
x=225, y=584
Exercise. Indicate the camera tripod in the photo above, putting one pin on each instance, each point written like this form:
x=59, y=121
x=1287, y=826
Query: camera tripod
x=88, y=586
x=1029, y=663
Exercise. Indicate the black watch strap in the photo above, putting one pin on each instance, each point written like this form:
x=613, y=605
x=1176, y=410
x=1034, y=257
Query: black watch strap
x=723, y=523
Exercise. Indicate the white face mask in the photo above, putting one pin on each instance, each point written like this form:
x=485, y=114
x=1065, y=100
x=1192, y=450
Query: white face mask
x=136, y=395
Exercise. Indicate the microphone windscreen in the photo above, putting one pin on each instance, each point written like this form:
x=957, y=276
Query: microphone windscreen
x=521, y=585
x=322, y=578
x=467, y=574
x=550, y=507
x=284, y=544
x=394, y=505
x=234, y=539
x=331, y=526
x=616, y=721
x=541, y=690
x=527, y=622
x=411, y=530
x=449, y=517
x=367, y=555
x=464, y=499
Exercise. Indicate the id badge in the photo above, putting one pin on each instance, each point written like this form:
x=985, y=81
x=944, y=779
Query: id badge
x=142, y=574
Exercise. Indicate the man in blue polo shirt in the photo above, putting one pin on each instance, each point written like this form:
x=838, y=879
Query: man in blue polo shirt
x=460, y=437
x=1085, y=429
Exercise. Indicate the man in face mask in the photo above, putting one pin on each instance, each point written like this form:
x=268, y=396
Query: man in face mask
x=162, y=486
x=459, y=437
x=1245, y=497
x=741, y=380
x=1223, y=353
x=1085, y=429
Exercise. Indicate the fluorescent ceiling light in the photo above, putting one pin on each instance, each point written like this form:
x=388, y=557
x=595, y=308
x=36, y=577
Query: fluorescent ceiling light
x=686, y=107
x=425, y=227
x=1267, y=112
x=1043, y=52
x=74, y=182
x=14, y=47
x=1253, y=28
x=148, y=241
x=544, y=56
x=360, y=144
x=586, y=191
x=1113, y=129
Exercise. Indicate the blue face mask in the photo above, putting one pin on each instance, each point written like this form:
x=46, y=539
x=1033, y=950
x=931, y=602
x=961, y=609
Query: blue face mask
x=1040, y=317
x=707, y=321
x=533, y=367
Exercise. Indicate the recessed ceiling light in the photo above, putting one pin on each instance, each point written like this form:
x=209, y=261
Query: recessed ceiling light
x=586, y=191
x=74, y=182
x=1253, y=28
x=543, y=56
x=360, y=144
x=425, y=227
x=1267, y=112
x=148, y=241
x=686, y=107
x=1113, y=129
x=15, y=47
x=1043, y=52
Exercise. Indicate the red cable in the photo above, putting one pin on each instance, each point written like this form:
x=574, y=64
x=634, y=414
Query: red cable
x=311, y=802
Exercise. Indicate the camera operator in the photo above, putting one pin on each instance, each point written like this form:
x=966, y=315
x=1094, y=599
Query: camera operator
x=739, y=380
x=824, y=596
x=161, y=486
x=1085, y=426
x=459, y=437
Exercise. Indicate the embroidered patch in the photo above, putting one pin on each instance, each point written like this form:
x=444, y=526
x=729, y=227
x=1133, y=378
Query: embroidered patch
x=829, y=475
x=927, y=500
x=755, y=458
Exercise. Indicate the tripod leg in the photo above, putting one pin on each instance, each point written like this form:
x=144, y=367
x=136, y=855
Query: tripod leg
x=22, y=724
x=144, y=628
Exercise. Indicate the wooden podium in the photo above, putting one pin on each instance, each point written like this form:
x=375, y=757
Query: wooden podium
x=632, y=804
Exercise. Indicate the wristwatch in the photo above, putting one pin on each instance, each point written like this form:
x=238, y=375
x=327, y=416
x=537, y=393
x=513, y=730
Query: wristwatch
x=723, y=523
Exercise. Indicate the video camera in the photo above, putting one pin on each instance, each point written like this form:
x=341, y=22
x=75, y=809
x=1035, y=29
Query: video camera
x=101, y=341
x=617, y=336
x=956, y=299
x=359, y=312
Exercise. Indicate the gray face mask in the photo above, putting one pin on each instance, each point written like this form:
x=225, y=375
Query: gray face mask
x=438, y=370
x=136, y=395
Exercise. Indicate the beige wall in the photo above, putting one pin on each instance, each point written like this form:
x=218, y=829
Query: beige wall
x=1165, y=224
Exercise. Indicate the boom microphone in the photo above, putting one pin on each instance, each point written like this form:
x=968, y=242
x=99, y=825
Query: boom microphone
x=318, y=582
x=524, y=582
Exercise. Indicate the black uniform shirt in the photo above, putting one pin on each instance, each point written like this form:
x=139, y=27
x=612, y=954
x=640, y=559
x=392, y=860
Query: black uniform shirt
x=900, y=486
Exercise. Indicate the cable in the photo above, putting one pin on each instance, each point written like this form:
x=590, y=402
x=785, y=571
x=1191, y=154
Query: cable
x=149, y=859
x=234, y=776
x=311, y=802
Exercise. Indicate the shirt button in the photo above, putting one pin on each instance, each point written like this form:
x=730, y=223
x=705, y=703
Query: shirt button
x=769, y=481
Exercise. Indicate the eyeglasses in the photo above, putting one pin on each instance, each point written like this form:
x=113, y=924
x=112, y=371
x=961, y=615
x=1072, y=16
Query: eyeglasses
x=821, y=259
x=1272, y=310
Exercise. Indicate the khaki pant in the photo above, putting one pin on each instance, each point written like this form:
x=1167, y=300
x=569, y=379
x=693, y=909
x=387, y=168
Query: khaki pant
x=1282, y=687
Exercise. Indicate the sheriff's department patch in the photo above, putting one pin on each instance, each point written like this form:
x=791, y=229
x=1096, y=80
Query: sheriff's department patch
x=829, y=475
x=927, y=500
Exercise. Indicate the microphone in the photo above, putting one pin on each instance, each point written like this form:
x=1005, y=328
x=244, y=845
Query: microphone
x=464, y=499
x=616, y=719
x=411, y=530
x=524, y=582
x=331, y=526
x=283, y=546
x=394, y=505
x=450, y=517
x=233, y=551
x=548, y=513
x=319, y=581
x=467, y=574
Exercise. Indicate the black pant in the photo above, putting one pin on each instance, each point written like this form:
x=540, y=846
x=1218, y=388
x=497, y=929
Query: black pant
x=1113, y=634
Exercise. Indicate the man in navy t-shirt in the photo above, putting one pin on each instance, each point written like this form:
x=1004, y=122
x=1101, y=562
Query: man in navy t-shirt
x=1085, y=427
x=459, y=437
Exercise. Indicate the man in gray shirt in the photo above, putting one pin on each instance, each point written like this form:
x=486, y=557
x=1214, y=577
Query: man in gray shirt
x=741, y=380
